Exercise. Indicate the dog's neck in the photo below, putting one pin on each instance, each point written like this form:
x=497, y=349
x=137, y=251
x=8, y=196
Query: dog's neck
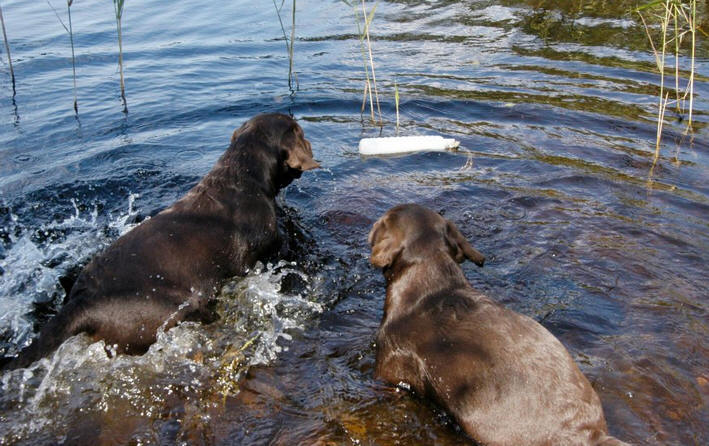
x=246, y=168
x=408, y=282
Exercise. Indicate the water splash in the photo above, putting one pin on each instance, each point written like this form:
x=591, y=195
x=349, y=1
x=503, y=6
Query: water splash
x=194, y=364
x=257, y=304
x=37, y=257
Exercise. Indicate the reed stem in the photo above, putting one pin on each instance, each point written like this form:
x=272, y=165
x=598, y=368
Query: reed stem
x=118, y=6
x=69, y=31
x=681, y=15
x=120, y=67
x=289, y=44
x=7, y=49
x=396, y=102
x=371, y=62
x=693, y=29
x=677, y=40
x=367, y=82
x=364, y=99
x=661, y=66
x=73, y=58
x=291, y=74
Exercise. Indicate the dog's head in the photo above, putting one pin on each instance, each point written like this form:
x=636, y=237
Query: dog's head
x=412, y=232
x=285, y=141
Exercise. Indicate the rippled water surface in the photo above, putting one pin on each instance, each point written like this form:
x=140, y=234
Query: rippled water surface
x=554, y=103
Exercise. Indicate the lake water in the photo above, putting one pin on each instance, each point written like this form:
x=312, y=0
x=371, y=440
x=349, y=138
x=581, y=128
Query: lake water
x=555, y=105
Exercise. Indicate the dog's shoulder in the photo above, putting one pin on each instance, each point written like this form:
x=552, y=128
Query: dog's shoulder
x=456, y=303
x=442, y=321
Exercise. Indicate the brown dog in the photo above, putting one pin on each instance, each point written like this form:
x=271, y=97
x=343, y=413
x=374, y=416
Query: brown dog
x=170, y=267
x=504, y=377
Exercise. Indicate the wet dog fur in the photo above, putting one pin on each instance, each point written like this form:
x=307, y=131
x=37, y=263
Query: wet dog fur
x=170, y=267
x=501, y=375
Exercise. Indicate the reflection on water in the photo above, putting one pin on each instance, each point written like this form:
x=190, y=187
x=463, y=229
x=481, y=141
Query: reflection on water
x=555, y=102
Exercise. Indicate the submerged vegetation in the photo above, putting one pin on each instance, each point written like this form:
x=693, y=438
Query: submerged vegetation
x=670, y=28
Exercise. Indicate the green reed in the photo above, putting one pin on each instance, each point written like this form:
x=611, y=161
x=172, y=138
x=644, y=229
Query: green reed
x=7, y=50
x=676, y=20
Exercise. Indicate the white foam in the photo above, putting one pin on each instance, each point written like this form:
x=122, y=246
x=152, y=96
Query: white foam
x=193, y=360
x=272, y=314
x=26, y=279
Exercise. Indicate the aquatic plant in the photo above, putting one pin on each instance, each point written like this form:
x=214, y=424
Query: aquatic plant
x=292, y=76
x=367, y=24
x=7, y=49
x=118, y=8
x=370, y=86
x=396, y=103
x=676, y=19
x=367, y=83
x=73, y=58
x=290, y=54
x=71, y=39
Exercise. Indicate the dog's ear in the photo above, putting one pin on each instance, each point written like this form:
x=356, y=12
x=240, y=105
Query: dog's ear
x=299, y=154
x=459, y=246
x=385, y=245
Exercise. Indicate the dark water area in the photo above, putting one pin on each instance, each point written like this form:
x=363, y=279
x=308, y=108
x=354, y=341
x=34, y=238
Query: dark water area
x=555, y=107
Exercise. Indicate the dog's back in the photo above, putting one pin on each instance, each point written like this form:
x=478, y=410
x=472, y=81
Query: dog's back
x=163, y=271
x=170, y=267
x=504, y=377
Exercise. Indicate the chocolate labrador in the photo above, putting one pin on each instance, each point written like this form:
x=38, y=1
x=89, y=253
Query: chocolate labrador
x=170, y=267
x=501, y=375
